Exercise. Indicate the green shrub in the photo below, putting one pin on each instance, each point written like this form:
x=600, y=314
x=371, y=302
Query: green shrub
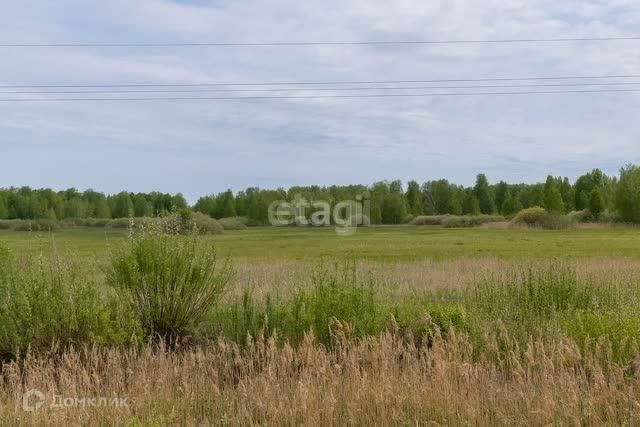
x=53, y=303
x=335, y=294
x=428, y=220
x=171, y=281
x=121, y=223
x=456, y=221
x=555, y=221
x=35, y=225
x=204, y=224
x=233, y=223
x=580, y=216
x=424, y=319
x=531, y=216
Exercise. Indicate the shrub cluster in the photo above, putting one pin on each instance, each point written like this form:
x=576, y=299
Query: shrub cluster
x=51, y=303
x=539, y=217
x=171, y=281
x=456, y=221
x=233, y=223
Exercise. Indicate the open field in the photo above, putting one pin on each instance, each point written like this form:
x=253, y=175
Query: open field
x=401, y=243
x=407, y=324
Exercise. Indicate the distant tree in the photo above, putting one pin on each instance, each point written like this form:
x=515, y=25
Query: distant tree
x=123, y=206
x=393, y=209
x=596, y=203
x=583, y=201
x=482, y=192
x=74, y=208
x=141, y=207
x=471, y=204
x=229, y=205
x=178, y=202
x=501, y=191
x=566, y=191
x=507, y=208
x=102, y=208
x=414, y=198
x=585, y=184
x=4, y=208
x=395, y=187
x=552, y=198
x=628, y=194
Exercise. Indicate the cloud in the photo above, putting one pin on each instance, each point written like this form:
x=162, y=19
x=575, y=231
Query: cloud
x=206, y=146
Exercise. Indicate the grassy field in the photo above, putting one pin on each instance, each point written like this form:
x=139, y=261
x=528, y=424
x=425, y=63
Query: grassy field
x=510, y=326
x=375, y=243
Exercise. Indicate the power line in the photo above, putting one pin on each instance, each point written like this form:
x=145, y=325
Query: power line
x=318, y=43
x=320, y=89
x=487, y=79
x=249, y=98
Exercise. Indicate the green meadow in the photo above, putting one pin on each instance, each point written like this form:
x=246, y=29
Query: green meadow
x=401, y=243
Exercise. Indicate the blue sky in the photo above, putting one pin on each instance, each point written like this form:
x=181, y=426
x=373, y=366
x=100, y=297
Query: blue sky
x=207, y=146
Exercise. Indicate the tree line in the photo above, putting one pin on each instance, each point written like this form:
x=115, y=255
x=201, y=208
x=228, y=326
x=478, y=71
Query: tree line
x=28, y=203
x=390, y=202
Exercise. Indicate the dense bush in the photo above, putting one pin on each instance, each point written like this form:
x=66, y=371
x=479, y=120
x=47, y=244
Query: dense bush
x=453, y=221
x=52, y=304
x=532, y=216
x=580, y=216
x=428, y=220
x=456, y=221
x=171, y=281
x=204, y=224
x=234, y=223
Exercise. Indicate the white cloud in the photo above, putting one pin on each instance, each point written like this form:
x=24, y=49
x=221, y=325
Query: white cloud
x=236, y=143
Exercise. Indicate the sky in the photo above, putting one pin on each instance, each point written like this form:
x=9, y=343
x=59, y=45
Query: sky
x=203, y=147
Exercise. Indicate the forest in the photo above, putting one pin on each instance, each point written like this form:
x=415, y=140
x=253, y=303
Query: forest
x=610, y=198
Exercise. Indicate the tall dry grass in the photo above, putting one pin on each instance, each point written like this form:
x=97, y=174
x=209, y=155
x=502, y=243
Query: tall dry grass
x=383, y=379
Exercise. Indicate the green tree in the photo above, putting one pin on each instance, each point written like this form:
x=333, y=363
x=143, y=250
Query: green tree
x=393, y=209
x=4, y=208
x=596, y=203
x=483, y=193
x=628, y=194
x=507, y=208
x=123, y=206
x=228, y=205
x=141, y=207
x=552, y=198
x=501, y=192
x=471, y=204
x=583, y=201
x=414, y=198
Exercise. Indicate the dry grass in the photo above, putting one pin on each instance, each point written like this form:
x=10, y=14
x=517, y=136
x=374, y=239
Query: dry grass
x=356, y=382
x=402, y=278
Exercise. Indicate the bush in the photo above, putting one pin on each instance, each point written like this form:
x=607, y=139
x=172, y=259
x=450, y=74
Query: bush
x=5, y=224
x=121, y=223
x=428, y=220
x=171, y=281
x=233, y=223
x=470, y=221
x=335, y=295
x=53, y=303
x=204, y=224
x=579, y=216
x=538, y=217
x=555, y=221
x=531, y=216
x=35, y=225
x=457, y=221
